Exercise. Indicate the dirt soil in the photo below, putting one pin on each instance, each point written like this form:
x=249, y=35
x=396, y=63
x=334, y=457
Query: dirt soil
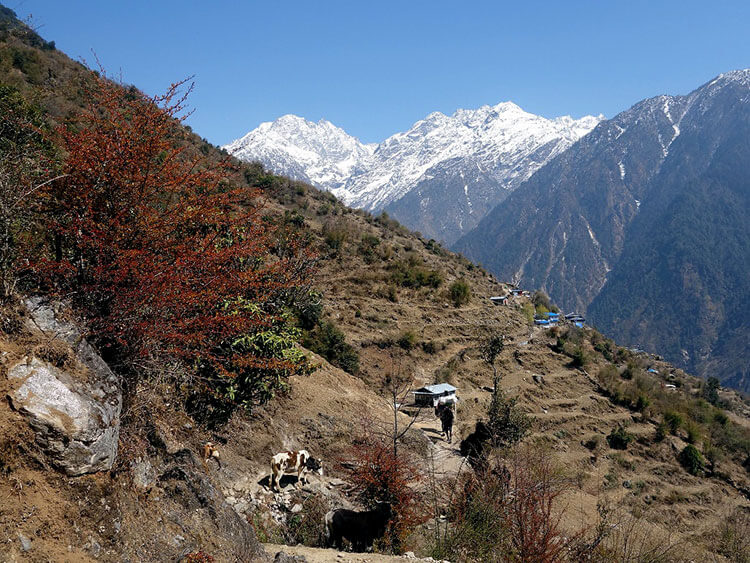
x=318, y=555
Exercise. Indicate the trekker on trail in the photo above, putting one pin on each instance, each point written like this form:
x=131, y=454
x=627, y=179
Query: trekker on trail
x=446, y=418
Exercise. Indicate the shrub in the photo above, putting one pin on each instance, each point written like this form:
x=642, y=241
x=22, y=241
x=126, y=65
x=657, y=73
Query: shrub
x=460, y=293
x=661, y=431
x=692, y=460
x=593, y=443
x=527, y=310
x=199, y=556
x=25, y=160
x=631, y=371
x=619, y=438
x=489, y=524
x=446, y=374
x=307, y=527
x=379, y=475
x=436, y=248
x=673, y=420
x=412, y=275
x=711, y=390
x=605, y=346
x=607, y=376
x=506, y=422
x=721, y=418
x=391, y=294
x=407, y=340
x=334, y=236
x=627, y=464
x=693, y=432
x=642, y=403
x=579, y=357
x=733, y=536
x=542, y=302
x=328, y=341
x=368, y=244
x=308, y=308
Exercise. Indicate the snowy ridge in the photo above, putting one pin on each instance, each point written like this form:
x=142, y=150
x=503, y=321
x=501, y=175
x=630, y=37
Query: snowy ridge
x=318, y=153
x=502, y=141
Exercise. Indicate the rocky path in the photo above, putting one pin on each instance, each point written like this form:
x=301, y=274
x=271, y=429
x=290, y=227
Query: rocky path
x=320, y=555
x=446, y=457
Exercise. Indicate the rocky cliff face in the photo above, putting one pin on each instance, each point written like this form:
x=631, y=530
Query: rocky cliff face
x=643, y=223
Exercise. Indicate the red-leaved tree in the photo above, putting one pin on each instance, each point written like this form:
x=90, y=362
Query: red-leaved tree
x=379, y=475
x=164, y=255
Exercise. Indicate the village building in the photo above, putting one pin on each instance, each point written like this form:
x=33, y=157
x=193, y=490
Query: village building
x=431, y=395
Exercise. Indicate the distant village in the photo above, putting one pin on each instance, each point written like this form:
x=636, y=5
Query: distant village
x=545, y=320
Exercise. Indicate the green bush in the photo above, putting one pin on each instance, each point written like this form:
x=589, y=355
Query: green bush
x=368, y=245
x=308, y=308
x=407, y=340
x=693, y=432
x=642, y=403
x=692, y=460
x=619, y=438
x=673, y=420
x=711, y=390
x=593, y=443
x=460, y=293
x=412, y=275
x=328, y=341
x=507, y=423
x=579, y=357
x=334, y=237
x=542, y=302
x=631, y=371
x=721, y=418
x=527, y=310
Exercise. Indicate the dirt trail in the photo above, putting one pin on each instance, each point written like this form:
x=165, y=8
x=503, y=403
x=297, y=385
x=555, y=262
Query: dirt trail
x=447, y=457
x=320, y=555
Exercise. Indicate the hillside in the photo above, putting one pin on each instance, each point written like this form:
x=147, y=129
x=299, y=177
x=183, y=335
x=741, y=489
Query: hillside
x=391, y=302
x=642, y=225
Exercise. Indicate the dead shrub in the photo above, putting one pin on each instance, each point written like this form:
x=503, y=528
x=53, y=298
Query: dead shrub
x=308, y=525
x=510, y=513
x=55, y=352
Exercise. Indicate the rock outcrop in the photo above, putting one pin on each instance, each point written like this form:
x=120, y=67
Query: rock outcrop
x=74, y=411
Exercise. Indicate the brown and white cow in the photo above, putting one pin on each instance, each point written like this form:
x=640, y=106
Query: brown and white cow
x=210, y=452
x=299, y=462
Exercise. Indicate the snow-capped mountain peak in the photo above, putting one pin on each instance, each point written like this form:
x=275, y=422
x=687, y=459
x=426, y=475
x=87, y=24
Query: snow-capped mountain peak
x=319, y=153
x=495, y=147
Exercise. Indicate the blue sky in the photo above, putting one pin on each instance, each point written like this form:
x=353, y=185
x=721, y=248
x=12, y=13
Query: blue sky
x=374, y=68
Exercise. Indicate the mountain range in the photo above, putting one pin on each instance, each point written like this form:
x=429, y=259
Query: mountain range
x=640, y=221
x=440, y=177
x=644, y=224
